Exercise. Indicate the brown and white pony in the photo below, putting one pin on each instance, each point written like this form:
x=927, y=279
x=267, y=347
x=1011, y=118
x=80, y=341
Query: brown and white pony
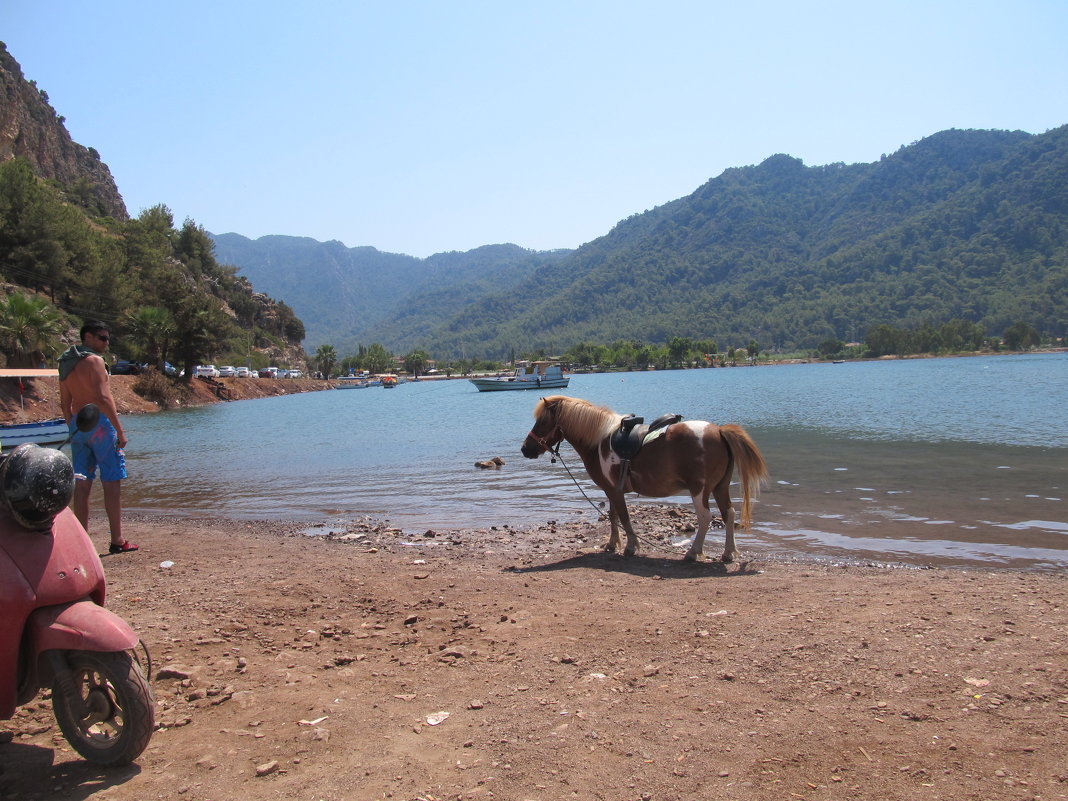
x=692, y=457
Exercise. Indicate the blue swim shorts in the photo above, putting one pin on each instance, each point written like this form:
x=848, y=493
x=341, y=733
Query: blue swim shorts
x=98, y=448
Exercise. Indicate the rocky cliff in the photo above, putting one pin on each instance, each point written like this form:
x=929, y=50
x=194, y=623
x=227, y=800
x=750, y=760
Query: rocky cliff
x=31, y=129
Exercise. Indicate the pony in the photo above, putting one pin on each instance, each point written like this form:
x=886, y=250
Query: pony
x=693, y=457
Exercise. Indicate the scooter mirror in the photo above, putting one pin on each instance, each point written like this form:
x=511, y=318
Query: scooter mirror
x=36, y=484
x=88, y=417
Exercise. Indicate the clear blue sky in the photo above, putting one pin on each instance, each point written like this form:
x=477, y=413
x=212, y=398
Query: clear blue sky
x=420, y=127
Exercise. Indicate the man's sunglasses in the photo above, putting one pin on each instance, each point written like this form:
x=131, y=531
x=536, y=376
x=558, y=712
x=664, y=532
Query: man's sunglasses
x=103, y=337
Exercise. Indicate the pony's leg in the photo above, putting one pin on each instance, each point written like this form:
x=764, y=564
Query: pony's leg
x=726, y=509
x=620, y=505
x=613, y=539
x=729, y=549
x=704, y=520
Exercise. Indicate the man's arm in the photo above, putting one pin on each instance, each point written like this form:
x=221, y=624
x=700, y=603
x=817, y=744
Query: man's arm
x=66, y=402
x=98, y=378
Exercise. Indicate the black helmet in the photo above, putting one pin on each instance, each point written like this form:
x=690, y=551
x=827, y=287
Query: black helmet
x=36, y=483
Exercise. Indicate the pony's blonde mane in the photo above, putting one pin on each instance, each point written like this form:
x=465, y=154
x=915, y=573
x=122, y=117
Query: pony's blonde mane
x=581, y=421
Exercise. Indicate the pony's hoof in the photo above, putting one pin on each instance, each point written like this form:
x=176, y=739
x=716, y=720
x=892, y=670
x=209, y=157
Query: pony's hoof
x=690, y=557
x=608, y=548
x=727, y=558
x=630, y=551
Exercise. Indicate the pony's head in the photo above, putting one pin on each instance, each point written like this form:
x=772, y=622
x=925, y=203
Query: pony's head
x=559, y=417
x=546, y=434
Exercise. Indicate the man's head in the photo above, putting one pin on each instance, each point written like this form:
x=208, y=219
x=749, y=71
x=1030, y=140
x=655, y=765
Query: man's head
x=95, y=335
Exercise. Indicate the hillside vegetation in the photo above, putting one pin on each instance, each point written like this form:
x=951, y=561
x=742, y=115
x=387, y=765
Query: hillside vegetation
x=157, y=286
x=69, y=251
x=968, y=225
x=349, y=296
x=962, y=227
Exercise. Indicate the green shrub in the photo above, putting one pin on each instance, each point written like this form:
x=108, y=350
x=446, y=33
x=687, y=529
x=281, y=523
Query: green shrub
x=160, y=389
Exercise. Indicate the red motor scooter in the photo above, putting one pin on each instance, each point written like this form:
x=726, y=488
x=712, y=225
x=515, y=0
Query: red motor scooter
x=54, y=629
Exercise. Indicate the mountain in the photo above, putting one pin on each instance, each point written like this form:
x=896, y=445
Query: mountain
x=962, y=224
x=348, y=296
x=31, y=129
x=69, y=251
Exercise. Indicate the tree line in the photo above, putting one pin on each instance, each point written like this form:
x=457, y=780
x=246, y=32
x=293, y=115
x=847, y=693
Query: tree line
x=156, y=284
x=955, y=336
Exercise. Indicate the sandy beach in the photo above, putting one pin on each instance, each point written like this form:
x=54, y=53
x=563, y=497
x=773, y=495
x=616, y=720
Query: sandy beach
x=513, y=664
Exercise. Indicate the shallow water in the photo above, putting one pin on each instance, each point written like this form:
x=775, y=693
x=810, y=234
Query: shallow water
x=948, y=461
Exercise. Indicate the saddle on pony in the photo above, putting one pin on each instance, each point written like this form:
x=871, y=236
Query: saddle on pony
x=632, y=434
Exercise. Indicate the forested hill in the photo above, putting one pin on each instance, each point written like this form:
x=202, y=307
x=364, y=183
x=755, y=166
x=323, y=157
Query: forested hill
x=963, y=224
x=348, y=296
x=69, y=251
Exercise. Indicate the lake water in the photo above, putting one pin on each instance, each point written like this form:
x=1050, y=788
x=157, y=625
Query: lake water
x=945, y=461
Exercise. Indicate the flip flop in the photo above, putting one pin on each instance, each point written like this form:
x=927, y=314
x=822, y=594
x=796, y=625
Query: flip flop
x=124, y=547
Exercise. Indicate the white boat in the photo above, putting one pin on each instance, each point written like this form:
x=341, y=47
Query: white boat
x=538, y=375
x=45, y=432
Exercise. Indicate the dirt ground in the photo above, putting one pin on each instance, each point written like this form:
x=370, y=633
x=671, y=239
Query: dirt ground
x=299, y=663
x=508, y=664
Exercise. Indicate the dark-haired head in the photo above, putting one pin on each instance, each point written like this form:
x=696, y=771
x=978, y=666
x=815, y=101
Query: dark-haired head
x=96, y=328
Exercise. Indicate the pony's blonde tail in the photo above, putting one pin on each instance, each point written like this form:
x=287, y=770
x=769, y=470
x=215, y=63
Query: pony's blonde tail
x=750, y=463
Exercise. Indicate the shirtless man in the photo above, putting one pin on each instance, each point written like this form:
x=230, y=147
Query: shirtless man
x=83, y=379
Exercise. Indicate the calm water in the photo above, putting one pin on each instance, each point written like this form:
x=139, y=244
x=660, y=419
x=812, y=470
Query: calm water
x=937, y=460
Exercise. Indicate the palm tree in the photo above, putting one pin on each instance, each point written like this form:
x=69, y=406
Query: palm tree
x=377, y=358
x=29, y=330
x=326, y=358
x=153, y=330
x=415, y=362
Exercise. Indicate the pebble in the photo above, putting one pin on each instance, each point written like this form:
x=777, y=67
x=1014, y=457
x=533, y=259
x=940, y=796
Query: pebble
x=173, y=672
x=267, y=768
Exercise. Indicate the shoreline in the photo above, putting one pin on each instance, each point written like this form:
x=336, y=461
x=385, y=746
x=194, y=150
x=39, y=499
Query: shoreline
x=656, y=524
x=39, y=398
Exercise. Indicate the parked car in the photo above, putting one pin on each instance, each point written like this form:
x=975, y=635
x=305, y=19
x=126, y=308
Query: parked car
x=126, y=368
x=242, y=372
x=295, y=374
x=170, y=369
x=269, y=372
x=226, y=371
x=281, y=372
x=206, y=371
x=254, y=374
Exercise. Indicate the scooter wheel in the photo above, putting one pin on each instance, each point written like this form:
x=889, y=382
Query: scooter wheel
x=117, y=711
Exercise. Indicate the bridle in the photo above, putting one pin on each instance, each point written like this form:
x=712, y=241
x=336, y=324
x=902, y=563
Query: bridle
x=553, y=449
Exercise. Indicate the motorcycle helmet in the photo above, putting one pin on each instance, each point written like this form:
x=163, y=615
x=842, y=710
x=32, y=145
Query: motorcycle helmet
x=36, y=484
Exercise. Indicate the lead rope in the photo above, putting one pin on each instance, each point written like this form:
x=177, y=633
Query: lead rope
x=556, y=455
x=656, y=546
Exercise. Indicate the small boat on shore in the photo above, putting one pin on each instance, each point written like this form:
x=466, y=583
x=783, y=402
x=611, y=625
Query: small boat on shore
x=352, y=382
x=389, y=380
x=45, y=432
x=537, y=375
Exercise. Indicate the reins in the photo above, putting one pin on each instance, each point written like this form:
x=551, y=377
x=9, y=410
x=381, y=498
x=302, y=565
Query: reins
x=556, y=455
x=555, y=451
